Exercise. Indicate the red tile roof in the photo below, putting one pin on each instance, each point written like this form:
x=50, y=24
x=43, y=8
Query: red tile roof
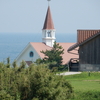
x=84, y=36
x=39, y=46
x=66, y=56
x=48, y=24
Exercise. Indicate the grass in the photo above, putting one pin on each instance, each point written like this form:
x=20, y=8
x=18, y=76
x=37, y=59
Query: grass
x=86, y=85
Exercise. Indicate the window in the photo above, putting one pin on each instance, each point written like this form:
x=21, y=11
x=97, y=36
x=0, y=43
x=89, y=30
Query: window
x=49, y=33
x=31, y=54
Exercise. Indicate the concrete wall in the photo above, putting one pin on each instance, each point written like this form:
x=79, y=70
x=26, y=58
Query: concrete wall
x=89, y=67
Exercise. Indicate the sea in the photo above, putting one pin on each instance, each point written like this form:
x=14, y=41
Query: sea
x=11, y=44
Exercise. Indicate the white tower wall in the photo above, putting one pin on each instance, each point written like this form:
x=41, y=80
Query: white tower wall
x=48, y=37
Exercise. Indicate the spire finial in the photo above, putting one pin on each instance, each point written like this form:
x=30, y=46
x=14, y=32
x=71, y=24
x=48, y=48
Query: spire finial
x=48, y=1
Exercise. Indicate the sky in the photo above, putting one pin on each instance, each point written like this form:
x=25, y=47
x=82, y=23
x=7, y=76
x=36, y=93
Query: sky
x=27, y=16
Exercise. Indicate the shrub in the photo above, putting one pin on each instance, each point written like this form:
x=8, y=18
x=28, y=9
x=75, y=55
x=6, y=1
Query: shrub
x=45, y=85
x=87, y=95
x=33, y=83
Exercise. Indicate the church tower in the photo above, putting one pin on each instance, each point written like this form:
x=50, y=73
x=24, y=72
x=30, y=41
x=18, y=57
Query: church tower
x=48, y=31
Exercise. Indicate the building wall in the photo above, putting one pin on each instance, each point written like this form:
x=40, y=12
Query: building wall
x=89, y=55
x=48, y=40
x=89, y=67
x=25, y=55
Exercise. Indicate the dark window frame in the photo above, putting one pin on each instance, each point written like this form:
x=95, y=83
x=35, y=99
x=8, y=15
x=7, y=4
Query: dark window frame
x=31, y=54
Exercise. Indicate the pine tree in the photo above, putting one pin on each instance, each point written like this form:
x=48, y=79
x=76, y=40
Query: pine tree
x=54, y=56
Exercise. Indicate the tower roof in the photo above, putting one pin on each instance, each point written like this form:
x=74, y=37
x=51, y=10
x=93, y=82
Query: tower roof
x=48, y=24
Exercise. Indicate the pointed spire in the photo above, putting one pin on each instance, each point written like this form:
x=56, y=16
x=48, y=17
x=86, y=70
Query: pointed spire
x=48, y=24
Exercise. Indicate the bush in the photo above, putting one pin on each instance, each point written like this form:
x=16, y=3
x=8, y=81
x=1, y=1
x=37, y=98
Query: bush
x=45, y=85
x=87, y=95
x=33, y=83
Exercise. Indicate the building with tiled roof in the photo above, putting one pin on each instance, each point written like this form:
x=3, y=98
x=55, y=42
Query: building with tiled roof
x=33, y=50
x=88, y=44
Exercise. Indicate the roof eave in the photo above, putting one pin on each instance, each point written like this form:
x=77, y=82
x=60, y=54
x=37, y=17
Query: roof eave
x=78, y=44
x=73, y=47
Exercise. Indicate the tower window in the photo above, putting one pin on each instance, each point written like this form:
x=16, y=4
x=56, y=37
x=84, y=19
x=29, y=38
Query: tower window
x=49, y=34
x=31, y=54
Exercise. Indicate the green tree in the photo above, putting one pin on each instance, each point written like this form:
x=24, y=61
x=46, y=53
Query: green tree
x=14, y=64
x=35, y=82
x=39, y=61
x=45, y=85
x=54, y=56
x=8, y=62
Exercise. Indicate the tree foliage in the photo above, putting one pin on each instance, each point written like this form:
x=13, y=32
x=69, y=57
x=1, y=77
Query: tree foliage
x=36, y=82
x=54, y=56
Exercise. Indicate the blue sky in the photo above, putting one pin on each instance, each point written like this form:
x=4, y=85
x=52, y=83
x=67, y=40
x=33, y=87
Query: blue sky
x=27, y=16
